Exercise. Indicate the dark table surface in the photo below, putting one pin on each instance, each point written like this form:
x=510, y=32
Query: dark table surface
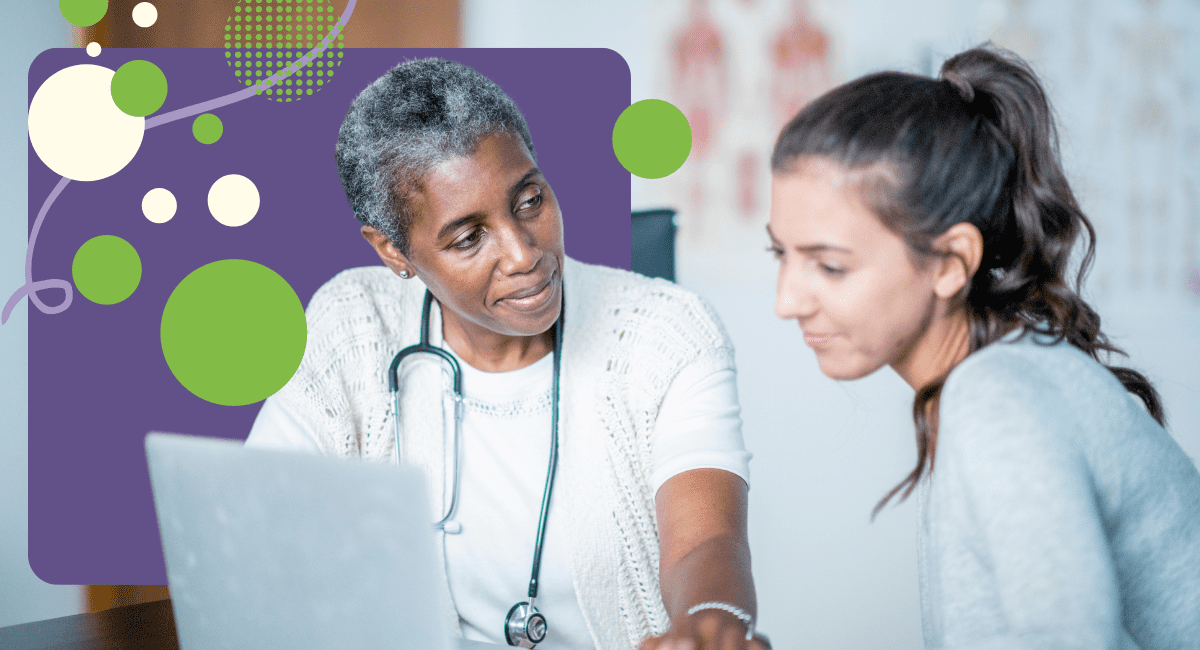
x=148, y=626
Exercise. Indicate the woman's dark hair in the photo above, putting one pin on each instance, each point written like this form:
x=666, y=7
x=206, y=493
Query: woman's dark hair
x=417, y=115
x=978, y=145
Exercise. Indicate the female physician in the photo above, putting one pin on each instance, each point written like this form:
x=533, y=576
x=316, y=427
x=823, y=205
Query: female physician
x=600, y=430
x=926, y=225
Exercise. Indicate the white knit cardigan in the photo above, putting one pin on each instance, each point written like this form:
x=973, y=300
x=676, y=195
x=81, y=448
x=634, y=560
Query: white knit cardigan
x=627, y=338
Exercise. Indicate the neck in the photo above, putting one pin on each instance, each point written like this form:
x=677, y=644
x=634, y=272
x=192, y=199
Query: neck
x=945, y=343
x=491, y=351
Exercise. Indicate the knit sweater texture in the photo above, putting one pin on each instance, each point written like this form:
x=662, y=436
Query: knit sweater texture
x=627, y=338
x=1059, y=513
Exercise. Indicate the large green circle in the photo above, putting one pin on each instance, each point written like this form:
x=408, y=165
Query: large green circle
x=83, y=13
x=207, y=128
x=233, y=332
x=652, y=138
x=139, y=88
x=106, y=269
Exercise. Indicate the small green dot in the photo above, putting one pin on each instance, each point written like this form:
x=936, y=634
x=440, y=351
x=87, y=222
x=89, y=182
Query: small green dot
x=207, y=128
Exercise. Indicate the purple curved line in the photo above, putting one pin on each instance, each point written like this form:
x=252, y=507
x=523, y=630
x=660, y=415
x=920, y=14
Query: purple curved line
x=196, y=109
x=30, y=288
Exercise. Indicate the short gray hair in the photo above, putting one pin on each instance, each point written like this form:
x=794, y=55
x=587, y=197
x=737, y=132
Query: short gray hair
x=419, y=114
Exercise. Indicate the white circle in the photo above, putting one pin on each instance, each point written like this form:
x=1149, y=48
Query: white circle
x=76, y=128
x=93, y=49
x=145, y=14
x=233, y=200
x=159, y=205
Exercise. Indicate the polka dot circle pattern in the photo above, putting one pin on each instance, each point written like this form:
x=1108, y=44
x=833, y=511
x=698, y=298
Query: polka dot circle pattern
x=263, y=37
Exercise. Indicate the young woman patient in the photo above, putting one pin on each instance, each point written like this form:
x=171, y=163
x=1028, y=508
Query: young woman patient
x=926, y=225
x=628, y=382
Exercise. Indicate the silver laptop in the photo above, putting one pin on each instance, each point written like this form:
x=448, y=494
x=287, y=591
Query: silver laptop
x=269, y=549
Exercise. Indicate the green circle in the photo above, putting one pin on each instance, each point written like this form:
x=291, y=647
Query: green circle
x=139, y=88
x=207, y=128
x=233, y=332
x=652, y=138
x=83, y=13
x=106, y=269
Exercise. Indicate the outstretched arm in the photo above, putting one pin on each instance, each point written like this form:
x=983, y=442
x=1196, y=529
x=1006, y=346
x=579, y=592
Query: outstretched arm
x=705, y=557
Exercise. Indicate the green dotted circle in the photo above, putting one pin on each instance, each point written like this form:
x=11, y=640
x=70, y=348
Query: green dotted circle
x=83, y=13
x=281, y=45
x=139, y=88
x=106, y=269
x=207, y=128
x=652, y=138
x=233, y=332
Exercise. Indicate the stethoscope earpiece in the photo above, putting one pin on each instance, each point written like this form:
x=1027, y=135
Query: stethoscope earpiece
x=524, y=626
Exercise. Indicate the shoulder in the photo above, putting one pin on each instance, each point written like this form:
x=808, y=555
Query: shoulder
x=353, y=318
x=1016, y=389
x=1034, y=393
x=354, y=290
x=368, y=301
x=649, y=306
x=1028, y=370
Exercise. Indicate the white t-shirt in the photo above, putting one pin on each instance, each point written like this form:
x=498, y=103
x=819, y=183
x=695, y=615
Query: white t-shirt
x=504, y=458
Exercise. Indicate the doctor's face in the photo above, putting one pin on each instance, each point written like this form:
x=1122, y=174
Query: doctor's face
x=486, y=238
x=847, y=280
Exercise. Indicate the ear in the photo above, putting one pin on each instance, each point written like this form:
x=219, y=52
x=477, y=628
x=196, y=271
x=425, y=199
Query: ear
x=387, y=251
x=962, y=249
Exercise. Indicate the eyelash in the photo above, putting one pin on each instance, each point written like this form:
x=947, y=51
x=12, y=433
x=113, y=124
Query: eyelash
x=467, y=242
x=831, y=271
x=532, y=202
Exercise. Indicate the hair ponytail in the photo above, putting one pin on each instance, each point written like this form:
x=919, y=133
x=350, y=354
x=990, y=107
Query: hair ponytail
x=979, y=146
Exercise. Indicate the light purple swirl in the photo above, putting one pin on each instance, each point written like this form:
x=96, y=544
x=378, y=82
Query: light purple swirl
x=30, y=288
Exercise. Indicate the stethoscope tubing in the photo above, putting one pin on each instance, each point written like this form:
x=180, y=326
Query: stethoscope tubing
x=456, y=369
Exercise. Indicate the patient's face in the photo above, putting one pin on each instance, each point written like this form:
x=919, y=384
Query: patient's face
x=843, y=276
x=486, y=239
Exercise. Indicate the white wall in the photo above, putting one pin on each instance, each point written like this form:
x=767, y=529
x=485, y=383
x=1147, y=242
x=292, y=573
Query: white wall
x=35, y=26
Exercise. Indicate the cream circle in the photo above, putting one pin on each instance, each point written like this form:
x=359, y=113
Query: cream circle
x=77, y=130
x=159, y=205
x=233, y=200
x=145, y=14
x=93, y=49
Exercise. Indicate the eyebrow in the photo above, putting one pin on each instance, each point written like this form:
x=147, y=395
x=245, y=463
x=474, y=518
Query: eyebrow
x=811, y=248
x=467, y=218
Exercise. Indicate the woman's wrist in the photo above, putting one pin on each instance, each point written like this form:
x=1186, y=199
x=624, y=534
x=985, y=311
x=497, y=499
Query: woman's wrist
x=736, y=611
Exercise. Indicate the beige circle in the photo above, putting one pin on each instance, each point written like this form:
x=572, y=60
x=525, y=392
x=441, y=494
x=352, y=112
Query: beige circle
x=145, y=14
x=77, y=130
x=93, y=49
x=159, y=205
x=233, y=200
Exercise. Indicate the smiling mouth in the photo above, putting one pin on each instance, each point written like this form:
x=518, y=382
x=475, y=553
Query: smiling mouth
x=818, y=340
x=533, y=296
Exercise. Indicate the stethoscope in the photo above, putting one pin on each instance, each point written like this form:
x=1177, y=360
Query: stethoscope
x=524, y=626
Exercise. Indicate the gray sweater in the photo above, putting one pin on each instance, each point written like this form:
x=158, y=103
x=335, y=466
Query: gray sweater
x=1059, y=514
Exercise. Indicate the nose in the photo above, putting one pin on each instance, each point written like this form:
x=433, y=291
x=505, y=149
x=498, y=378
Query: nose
x=519, y=252
x=794, y=298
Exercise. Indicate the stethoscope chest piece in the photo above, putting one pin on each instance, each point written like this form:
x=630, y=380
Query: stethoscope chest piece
x=524, y=626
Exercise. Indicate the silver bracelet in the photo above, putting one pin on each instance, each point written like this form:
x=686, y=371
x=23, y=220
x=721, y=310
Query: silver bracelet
x=732, y=609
